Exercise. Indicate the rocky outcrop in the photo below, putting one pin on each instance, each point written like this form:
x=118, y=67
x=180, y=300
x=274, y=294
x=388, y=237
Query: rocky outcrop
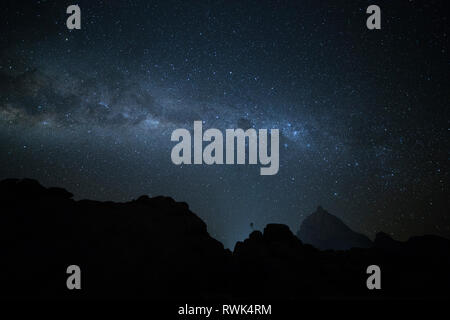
x=149, y=247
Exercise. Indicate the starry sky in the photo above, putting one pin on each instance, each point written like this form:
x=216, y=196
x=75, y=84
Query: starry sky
x=363, y=115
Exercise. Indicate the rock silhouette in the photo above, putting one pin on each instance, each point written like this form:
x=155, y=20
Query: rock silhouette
x=326, y=231
x=156, y=248
x=148, y=247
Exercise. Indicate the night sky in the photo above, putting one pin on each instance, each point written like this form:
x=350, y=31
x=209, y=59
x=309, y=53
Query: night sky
x=363, y=115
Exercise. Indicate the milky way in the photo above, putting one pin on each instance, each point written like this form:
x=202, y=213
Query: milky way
x=363, y=115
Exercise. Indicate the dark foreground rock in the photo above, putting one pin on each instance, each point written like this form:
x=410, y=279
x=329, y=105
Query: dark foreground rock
x=149, y=247
x=157, y=248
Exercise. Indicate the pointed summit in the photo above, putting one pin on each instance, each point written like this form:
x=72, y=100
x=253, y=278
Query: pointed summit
x=326, y=231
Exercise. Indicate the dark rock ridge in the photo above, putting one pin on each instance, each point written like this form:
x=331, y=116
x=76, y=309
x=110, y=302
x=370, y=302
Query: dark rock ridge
x=156, y=248
x=149, y=247
x=326, y=231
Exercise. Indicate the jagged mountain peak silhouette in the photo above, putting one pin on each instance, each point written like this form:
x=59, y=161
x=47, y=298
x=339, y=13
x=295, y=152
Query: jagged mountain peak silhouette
x=155, y=247
x=326, y=231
